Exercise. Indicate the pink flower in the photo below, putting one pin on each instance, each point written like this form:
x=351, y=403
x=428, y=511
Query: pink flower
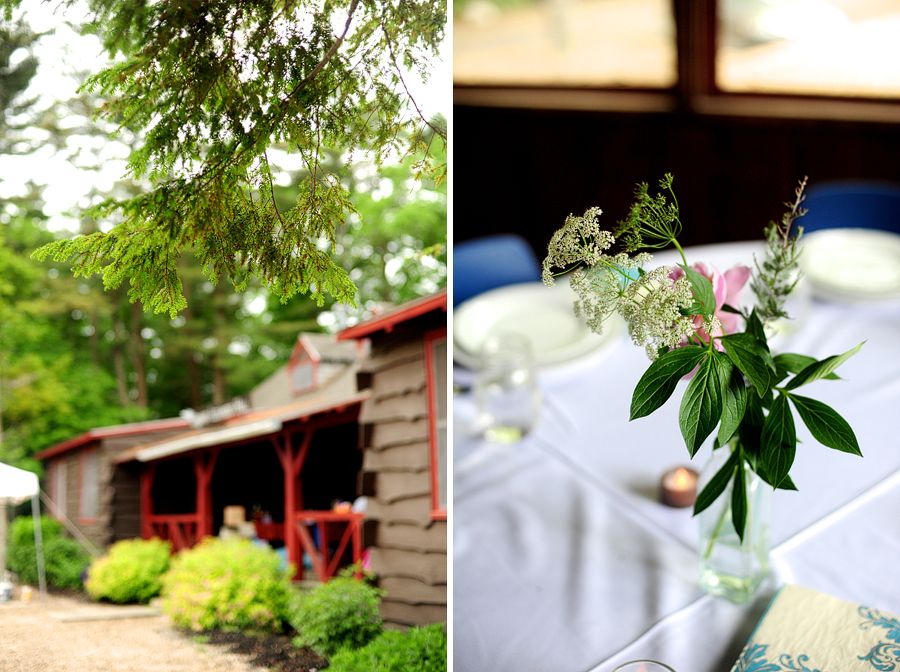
x=727, y=288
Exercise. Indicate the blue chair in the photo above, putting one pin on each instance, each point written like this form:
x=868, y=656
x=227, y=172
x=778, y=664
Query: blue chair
x=855, y=204
x=485, y=263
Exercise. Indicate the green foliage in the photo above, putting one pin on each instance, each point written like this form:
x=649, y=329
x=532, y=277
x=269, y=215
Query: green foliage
x=777, y=276
x=227, y=584
x=342, y=613
x=51, y=388
x=418, y=650
x=652, y=221
x=189, y=81
x=131, y=571
x=64, y=559
x=16, y=73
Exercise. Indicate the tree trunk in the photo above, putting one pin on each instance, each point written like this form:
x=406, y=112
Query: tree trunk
x=121, y=376
x=219, y=386
x=194, y=373
x=138, y=354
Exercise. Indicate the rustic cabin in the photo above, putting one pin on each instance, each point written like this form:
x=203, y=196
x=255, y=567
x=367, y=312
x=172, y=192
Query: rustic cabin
x=404, y=442
x=341, y=450
x=89, y=490
x=283, y=467
x=275, y=474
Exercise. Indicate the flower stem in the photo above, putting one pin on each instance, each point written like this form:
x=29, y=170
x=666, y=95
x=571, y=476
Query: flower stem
x=680, y=251
x=719, y=526
x=725, y=510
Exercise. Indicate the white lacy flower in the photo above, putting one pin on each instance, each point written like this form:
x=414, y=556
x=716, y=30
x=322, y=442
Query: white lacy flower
x=653, y=311
x=602, y=289
x=580, y=241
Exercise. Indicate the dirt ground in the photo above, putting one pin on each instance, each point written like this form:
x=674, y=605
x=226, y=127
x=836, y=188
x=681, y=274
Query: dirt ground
x=65, y=634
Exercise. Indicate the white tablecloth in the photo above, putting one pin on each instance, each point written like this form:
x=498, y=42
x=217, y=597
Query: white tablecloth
x=565, y=561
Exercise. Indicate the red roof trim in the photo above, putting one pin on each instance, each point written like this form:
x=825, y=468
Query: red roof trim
x=107, y=432
x=387, y=321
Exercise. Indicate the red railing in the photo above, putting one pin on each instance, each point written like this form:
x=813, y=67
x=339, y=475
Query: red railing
x=340, y=528
x=335, y=533
x=180, y=529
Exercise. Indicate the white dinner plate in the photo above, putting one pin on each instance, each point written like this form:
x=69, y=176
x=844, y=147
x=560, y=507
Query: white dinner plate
x=852, y=264
x=543, y=314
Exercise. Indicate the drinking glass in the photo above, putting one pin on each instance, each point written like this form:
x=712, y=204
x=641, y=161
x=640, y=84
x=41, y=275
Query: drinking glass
x=506, y=391
x=643, y=666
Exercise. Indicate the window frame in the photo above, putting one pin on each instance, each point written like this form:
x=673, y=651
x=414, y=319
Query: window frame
x=57, y=485
x=695, y=90
x=431, y=338
x=83, y=464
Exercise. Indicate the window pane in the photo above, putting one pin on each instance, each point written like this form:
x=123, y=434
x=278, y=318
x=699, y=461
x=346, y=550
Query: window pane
x=564, y=42
x=823, y=47
x=439, y=359
x=58, y=485
x=88, y=494
x=303, y=376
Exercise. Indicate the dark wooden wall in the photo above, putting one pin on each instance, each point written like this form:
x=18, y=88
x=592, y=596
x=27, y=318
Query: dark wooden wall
x=526, y=170
x=409, y=554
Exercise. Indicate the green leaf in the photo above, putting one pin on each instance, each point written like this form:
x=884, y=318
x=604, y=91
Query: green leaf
x=826, y=426
x=820, y=369
x=659, y=380
x=735, y=405
x=717, y=484
x=750, y=355
x=786, y=483
x=789, y=362
x=756, y=328
x=727, y=308
x=778, y=443
x=739, y=500
x=702, y=288
x=701, y=406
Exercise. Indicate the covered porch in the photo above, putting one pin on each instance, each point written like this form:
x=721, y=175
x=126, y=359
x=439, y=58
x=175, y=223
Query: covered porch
x=283, y=468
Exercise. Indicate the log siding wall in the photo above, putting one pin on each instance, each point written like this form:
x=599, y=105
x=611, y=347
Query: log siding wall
x=409, y=554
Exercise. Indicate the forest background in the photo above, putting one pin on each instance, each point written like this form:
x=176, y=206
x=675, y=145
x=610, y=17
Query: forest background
x=74, y=356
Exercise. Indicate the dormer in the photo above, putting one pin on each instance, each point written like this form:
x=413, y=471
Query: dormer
x=318, y=365
x=303, y=366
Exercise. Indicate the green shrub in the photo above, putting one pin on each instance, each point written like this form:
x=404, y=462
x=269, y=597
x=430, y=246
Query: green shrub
x=64, y=558
x=231, y=584
x=419, y=650
x=131, y=571
x=342, y=613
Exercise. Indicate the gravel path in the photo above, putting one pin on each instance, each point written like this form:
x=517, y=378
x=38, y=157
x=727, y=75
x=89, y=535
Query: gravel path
x=34, y=639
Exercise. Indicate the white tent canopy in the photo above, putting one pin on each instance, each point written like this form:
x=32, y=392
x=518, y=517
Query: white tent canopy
x=17, y=486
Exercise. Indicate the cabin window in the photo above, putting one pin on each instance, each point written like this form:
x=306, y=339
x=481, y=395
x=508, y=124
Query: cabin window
x=303, y=376
x=436, y=378
x=56, y=483
x=813, y=47
x=564, y=43
x=819, y=58
x=88, y=484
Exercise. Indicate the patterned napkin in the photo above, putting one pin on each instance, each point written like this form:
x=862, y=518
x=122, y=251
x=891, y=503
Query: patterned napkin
x=808, y=631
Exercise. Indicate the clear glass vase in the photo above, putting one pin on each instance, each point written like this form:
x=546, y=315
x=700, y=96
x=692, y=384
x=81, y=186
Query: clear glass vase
x=729, y=567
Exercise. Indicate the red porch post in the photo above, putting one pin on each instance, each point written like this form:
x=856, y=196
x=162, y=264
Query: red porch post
x=147, y=474
x=292, y=463
x=204, y=464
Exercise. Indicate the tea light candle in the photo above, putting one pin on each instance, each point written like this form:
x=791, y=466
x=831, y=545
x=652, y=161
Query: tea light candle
x=679, y=487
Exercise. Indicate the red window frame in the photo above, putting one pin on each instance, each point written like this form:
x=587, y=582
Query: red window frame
x=435, y=386
x=83, y=456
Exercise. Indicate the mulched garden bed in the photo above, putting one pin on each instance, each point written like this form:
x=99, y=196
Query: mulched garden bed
x=274, y=652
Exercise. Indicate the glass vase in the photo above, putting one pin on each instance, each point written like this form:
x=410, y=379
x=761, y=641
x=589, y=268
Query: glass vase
x=729, y=567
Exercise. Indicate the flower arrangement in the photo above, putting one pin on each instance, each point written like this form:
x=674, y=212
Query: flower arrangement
x=689, y=321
